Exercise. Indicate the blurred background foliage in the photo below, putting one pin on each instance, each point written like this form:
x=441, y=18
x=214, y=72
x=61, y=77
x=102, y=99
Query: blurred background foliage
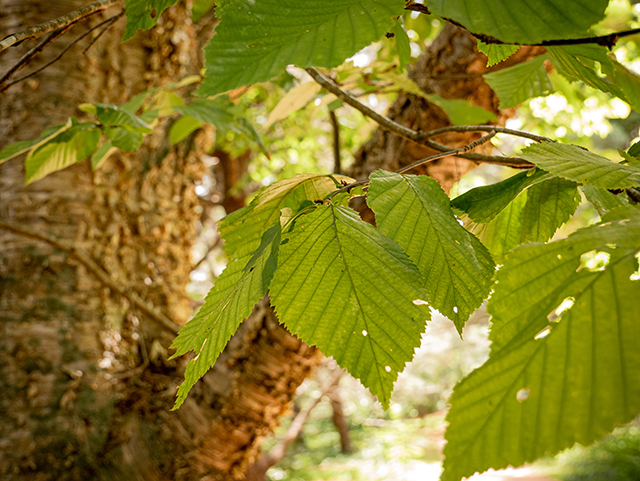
x=405, y=442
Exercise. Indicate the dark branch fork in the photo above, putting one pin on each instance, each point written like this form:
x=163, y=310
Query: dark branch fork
x=423, y=137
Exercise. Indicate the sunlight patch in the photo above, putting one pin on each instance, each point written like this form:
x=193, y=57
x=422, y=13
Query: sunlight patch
x=594, y=261
x=565, y=305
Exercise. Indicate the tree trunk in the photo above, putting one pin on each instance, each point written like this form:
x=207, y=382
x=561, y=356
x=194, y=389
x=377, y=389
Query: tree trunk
x=79, y=400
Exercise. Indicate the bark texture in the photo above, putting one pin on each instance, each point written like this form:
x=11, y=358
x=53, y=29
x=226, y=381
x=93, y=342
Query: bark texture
x=87, y=390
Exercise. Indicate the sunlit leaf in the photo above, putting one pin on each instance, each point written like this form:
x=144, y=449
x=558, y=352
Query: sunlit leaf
x=344, y=287
x=414, y=212
x=240, y=286
x=256, y=40
x=66, y=148
x=521, y=82
x=496, y=53
x=564, y=360
x=602, y=199
x=143, y=15
x=523, y=21
x=580, y=165
x=534, y=216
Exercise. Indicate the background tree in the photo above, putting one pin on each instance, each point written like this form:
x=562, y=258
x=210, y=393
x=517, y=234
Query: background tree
x=105, y=378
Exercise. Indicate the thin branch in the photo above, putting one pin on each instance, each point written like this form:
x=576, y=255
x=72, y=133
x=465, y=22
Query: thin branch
x=337, y=166
x=423, y=137
x=210, y=249
x=109, y=22
x=275, y=455
x=33, y=52
x=418, y=163
x=461, y=150
x=38, y=31
x=483, y=128
x=99, y=272
x=608, y=40
x=108, y=25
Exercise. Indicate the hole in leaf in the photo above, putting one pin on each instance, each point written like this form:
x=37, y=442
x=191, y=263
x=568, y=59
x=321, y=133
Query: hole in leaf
x=594, y=261
x=636, y=275
x=420, y=302
x=455, y=309
x=543, y=333
x=387, y=368
x=364, y=333
x=565, y=305
x=523, y=394
x=284, y=241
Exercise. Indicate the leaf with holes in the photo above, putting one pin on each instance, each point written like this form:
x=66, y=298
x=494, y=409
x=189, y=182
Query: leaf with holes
x=521, y=82
x=523, y=21
x=564, y=361
x=355, y=294
x=256, y=40
x=580, y=165
x=415, y=213
x=252, y=239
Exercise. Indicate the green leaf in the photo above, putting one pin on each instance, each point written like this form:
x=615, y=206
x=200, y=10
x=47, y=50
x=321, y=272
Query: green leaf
x=564, y=362
x=414, y=212
x=252, y=236
x=240, y=286
x=484, y=203
x=634, y=150
x=200, y=7
x=102, y=154
x=403, y=44
x=523, y=21
x=183, y=127
x=521, y=82
x=592, y=65
x=461, y=112
x=534, y=216
x=256, y=40
x=220, y=113
x=21, y=147
x=602, y=199
x=123, y=139
x=243, y=229
x=631, y=160
x=342, y=286
x=143, y=15
x=64, y=149
x=114, y=116
x=580, y=165
x=496, y=53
